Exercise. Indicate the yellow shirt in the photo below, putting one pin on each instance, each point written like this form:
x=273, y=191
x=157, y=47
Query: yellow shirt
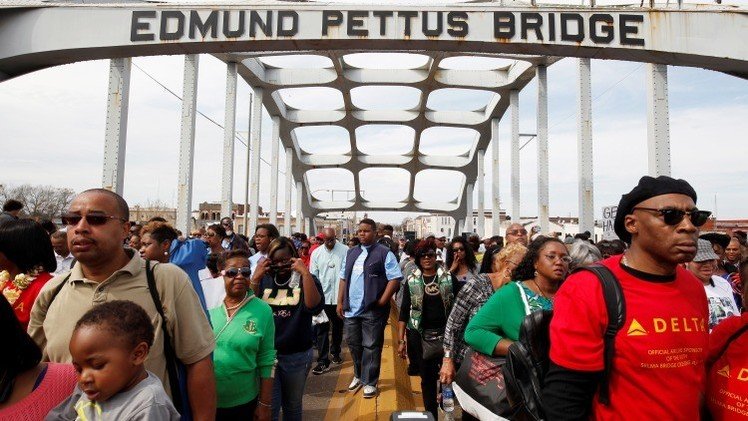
x=51, y=326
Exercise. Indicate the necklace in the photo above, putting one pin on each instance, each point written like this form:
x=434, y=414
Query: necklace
x=275, y=281
x=430, y=286
x=540, y=290
x=238, y=305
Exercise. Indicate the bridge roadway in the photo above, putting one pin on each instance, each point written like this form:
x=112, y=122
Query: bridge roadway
x=326, y=398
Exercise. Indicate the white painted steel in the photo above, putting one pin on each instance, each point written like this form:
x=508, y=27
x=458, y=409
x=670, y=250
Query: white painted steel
x=585, y=148
x=115, y=137
x=247, y=174
x=187, y=142
x=274, y=155
x=229, y=131
x=542, y=116
x=299, y=206
x=255, y=129
x=514, y=122
x=658, y=122
x=495, y=186
x=481, y=194
x=469, y=192
x=287, y=191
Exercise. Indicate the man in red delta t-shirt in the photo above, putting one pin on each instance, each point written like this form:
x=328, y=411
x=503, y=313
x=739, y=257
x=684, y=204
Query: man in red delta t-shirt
x=658, y=367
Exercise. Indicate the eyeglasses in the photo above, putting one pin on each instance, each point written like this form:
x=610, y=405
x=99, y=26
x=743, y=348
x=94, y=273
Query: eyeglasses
x=73, y=219
x=673, y=216
x=234, y=272
x=517, y=232
x=564, y=258
x=209, y=234
x=458, y=249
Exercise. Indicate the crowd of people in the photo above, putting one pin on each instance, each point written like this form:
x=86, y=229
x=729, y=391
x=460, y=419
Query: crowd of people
x=107, y=319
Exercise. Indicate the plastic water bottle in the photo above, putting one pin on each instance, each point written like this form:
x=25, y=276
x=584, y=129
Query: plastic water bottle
x=448, y=402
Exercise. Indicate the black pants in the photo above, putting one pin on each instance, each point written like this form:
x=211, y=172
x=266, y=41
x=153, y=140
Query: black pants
x=428, y=370
x=413, y=342
x=237, y=413
x=324, y=348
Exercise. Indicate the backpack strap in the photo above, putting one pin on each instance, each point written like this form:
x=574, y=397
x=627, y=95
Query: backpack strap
x=171, y=356
x=57, y=290
x=615, y=305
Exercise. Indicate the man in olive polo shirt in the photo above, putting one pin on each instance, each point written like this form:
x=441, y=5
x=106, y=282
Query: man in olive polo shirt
x=97, y=224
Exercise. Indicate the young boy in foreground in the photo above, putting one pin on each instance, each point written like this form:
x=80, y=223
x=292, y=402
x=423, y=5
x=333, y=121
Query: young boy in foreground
x=109, y=345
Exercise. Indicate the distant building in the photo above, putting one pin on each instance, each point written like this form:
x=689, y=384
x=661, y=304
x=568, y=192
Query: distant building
x=142, y=214
x=209, y=213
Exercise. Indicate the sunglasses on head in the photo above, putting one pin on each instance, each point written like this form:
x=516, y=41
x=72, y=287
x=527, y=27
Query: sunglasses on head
x=234, y=272
x=673, y=216
x=73, y=219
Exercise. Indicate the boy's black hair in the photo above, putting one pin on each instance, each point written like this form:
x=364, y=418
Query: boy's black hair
x=123, y=318
x=370, y=222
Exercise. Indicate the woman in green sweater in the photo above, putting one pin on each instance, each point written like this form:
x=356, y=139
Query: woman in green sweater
x=496, y=325
x=245, y=345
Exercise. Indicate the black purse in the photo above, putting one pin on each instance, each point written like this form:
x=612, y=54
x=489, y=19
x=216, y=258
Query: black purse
x=432, y=342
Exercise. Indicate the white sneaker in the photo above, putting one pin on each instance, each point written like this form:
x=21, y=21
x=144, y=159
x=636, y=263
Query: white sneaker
x=370, y=391
x=355, y=385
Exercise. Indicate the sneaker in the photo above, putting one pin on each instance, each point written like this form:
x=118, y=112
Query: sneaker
x=337, y=360
x=321, y=368
x=370, y=391
x=355, y=385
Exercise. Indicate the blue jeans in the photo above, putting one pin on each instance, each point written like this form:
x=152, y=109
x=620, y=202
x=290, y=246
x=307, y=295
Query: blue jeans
x=288, y=386
x=365, y=334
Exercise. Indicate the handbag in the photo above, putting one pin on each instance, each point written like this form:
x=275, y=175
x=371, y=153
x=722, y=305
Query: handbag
x=432, y=343
x=480, y=386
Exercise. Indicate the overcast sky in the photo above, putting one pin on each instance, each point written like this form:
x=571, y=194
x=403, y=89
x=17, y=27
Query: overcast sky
x=52, y=125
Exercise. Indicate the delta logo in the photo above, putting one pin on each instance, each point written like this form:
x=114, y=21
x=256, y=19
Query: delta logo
x=662, y=325
x=742, y=373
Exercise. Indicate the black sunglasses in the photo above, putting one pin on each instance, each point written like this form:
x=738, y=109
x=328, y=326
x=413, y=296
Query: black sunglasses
x=673, y=216
x=456, y=249
x=234, y=272
x=72, y=219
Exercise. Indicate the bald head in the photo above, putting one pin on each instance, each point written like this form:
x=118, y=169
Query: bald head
x=330, y=235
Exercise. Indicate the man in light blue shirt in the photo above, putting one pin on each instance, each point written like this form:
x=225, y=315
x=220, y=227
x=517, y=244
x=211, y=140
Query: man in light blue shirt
x=369, y=277
x=326, y=263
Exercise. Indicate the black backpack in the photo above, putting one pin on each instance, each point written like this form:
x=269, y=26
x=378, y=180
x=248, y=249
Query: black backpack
x=528, y=358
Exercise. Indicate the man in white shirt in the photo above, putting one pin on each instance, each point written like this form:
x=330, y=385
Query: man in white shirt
x=325, y=264
x=62, y=252
x=718, y=290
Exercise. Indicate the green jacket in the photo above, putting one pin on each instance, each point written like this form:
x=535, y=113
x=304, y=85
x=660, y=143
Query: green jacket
x=416, y=288
x=500, y=318
x=245, y=351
